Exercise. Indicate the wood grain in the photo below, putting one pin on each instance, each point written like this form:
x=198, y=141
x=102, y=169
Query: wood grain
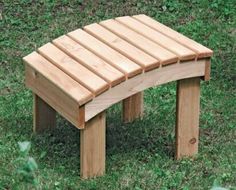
x=187, y=117
x=92, y=147
x=90, y=60
x=138, y=56
x=74, y=69
x=202, y=51
x=141, y=42
x=38, y=66
x=125, y=65
x=58, y=90
x=181, y=51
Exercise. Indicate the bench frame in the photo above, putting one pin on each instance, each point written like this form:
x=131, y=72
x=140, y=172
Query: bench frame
x=92, y=117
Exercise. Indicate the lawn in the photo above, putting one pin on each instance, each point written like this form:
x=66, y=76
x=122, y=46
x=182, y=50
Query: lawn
x=140, y=154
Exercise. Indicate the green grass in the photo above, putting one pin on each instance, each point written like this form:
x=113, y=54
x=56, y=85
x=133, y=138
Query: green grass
x=140, y=154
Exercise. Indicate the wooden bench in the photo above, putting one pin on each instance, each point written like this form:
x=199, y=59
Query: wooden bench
x=84, y=72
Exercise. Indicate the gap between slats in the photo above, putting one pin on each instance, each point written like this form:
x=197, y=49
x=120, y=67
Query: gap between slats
x=187, y=43
x=194, y=50
x=71, y=76
x=126, y=77
x=149, y=64
x=153, y=49
x=57, y=77
x=82, y=62
x=180, y=58
x=106, y=58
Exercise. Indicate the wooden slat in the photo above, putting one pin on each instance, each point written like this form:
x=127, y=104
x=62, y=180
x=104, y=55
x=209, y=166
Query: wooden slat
x=58, y=78
x=74, y=69
x=201, y=50
x=146, y=61
x=89, y=60
x=57, y=98
x=105, y=52
x=181, y=51
x=153, y=49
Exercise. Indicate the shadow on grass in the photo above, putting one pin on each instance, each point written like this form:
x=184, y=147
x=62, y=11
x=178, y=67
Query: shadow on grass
x=60, y=148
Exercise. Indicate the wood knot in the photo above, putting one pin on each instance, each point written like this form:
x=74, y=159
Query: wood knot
x=193, y=141
x=35, y=74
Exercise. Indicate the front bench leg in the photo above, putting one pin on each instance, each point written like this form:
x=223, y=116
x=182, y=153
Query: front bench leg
x=187, y=117
x=92, y=147
x=44, y=115
x=133, y=107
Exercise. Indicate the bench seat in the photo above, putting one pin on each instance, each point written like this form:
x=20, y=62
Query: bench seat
x=82, y=73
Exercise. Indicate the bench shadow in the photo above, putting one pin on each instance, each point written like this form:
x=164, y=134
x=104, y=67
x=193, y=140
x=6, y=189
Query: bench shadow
x=60, y=147
x=149, y=135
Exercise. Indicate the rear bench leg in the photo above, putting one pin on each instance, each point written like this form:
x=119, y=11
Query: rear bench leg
x=133, y=107
x=92, y=147
x=187, y=117
x=44, y=115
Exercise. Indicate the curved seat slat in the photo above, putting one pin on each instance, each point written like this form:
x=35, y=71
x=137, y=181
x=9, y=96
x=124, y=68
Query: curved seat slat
x=67, y=85
x=201, y=50
x=107, y=53
x=164, y=56
x=90, y=60
x=181, y=51
x=146, y=61
x=74, y=69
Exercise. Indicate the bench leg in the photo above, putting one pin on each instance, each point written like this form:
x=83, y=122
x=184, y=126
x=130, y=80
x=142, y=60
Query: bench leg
x=44, y=115
x=187, y=117
x=92, y=147
x=133, y=107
